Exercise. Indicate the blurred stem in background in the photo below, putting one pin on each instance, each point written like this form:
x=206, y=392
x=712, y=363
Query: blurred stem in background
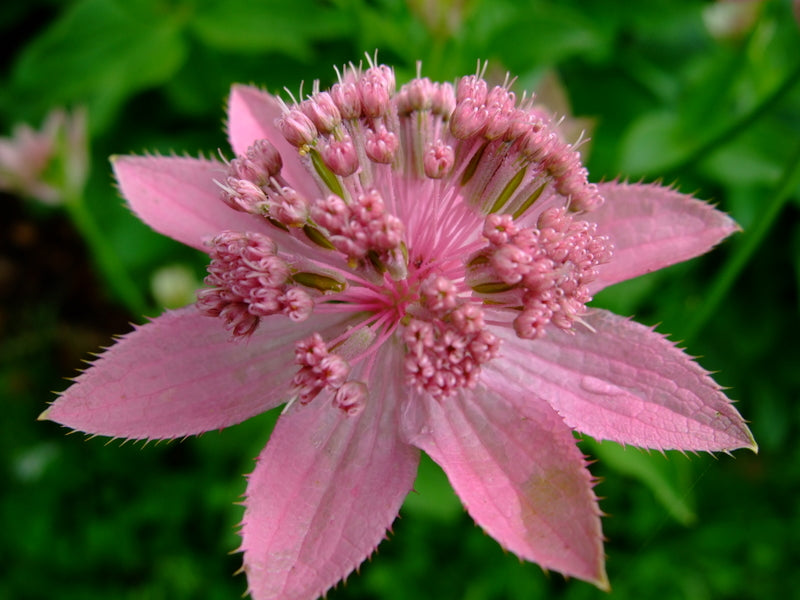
x=443, y=20
x=111, y=268
x=719, y=289
x=787, y=184
x=740, y=125
x=51, y=165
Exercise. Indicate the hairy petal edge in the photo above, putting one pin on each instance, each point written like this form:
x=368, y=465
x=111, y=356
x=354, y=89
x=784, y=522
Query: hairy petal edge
x=251, y=116
x=515, y=466
x=626, y=383
x=324, y=492
x=181, y=374
x=177, y=196
x=653, y=227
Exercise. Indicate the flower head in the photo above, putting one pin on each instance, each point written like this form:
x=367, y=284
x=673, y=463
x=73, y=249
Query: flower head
x=407, y=268
x=49, y=164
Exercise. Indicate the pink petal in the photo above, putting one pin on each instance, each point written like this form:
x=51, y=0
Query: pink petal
x=323, y=494
x=653, y=227
x=181, y=374
x=626, y=383
x=251, y=116
x=515, y=466
x=178, y=197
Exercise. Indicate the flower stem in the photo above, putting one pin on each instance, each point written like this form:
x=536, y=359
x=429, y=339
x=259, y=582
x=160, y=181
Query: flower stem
x=740, y=125
x=114, y=272
x=721, y=286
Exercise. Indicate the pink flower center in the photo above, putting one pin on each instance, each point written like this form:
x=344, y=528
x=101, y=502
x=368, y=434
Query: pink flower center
x=440, y=211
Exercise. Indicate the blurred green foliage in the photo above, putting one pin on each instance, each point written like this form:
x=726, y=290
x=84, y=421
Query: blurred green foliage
x=702, y=94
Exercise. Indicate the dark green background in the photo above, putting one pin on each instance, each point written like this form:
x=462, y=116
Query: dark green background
x=673, y=97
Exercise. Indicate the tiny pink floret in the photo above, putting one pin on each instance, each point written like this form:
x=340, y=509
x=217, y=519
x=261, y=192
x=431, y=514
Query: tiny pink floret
x=350, y=397
x=381, y=145
x=439, y=160
x=340, y=156
x=297, y=128
x=322, y=111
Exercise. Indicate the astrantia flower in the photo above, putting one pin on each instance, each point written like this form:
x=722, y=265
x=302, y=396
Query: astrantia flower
x=407, y=269
x=50, y=164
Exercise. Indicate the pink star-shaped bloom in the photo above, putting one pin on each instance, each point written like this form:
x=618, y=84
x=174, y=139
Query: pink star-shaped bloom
x=407, y=269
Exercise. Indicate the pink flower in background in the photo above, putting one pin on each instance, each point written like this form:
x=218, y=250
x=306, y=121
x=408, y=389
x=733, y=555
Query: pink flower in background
x=407, y=269
x=28, y=156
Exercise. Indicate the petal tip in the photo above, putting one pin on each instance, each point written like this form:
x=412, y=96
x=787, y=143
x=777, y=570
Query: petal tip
x=745, y=439
x=728, y=224
x=601, y=582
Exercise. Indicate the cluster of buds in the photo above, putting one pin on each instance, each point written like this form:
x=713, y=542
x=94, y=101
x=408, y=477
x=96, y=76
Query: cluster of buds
x=421, y=94
x=248, y=281
x=254, y=185
x=483, y=115
x=323, y=123
x=362, y=229
x=544, y=271
x=445, y=351
x=322, y=370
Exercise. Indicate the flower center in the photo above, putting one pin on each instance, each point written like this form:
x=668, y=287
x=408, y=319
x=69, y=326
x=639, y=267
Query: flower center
x=441, y=211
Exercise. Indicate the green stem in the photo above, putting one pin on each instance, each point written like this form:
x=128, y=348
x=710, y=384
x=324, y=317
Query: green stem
x=740, y=125
x=112, y=269
x=721, y=286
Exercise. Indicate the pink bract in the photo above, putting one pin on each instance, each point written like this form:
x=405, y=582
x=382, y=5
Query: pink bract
x=49, y=164
x=407, y=269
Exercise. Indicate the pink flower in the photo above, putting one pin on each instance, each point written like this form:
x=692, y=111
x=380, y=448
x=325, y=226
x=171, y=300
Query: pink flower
x=407, y=269
x=49, y=165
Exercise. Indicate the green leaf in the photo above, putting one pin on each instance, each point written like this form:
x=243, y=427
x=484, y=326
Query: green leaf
x=628, y=297
x=432, y=494
x=547, y=33
x=286, y=26
x=98, y=53
x=653, y=143
x=664, y=474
